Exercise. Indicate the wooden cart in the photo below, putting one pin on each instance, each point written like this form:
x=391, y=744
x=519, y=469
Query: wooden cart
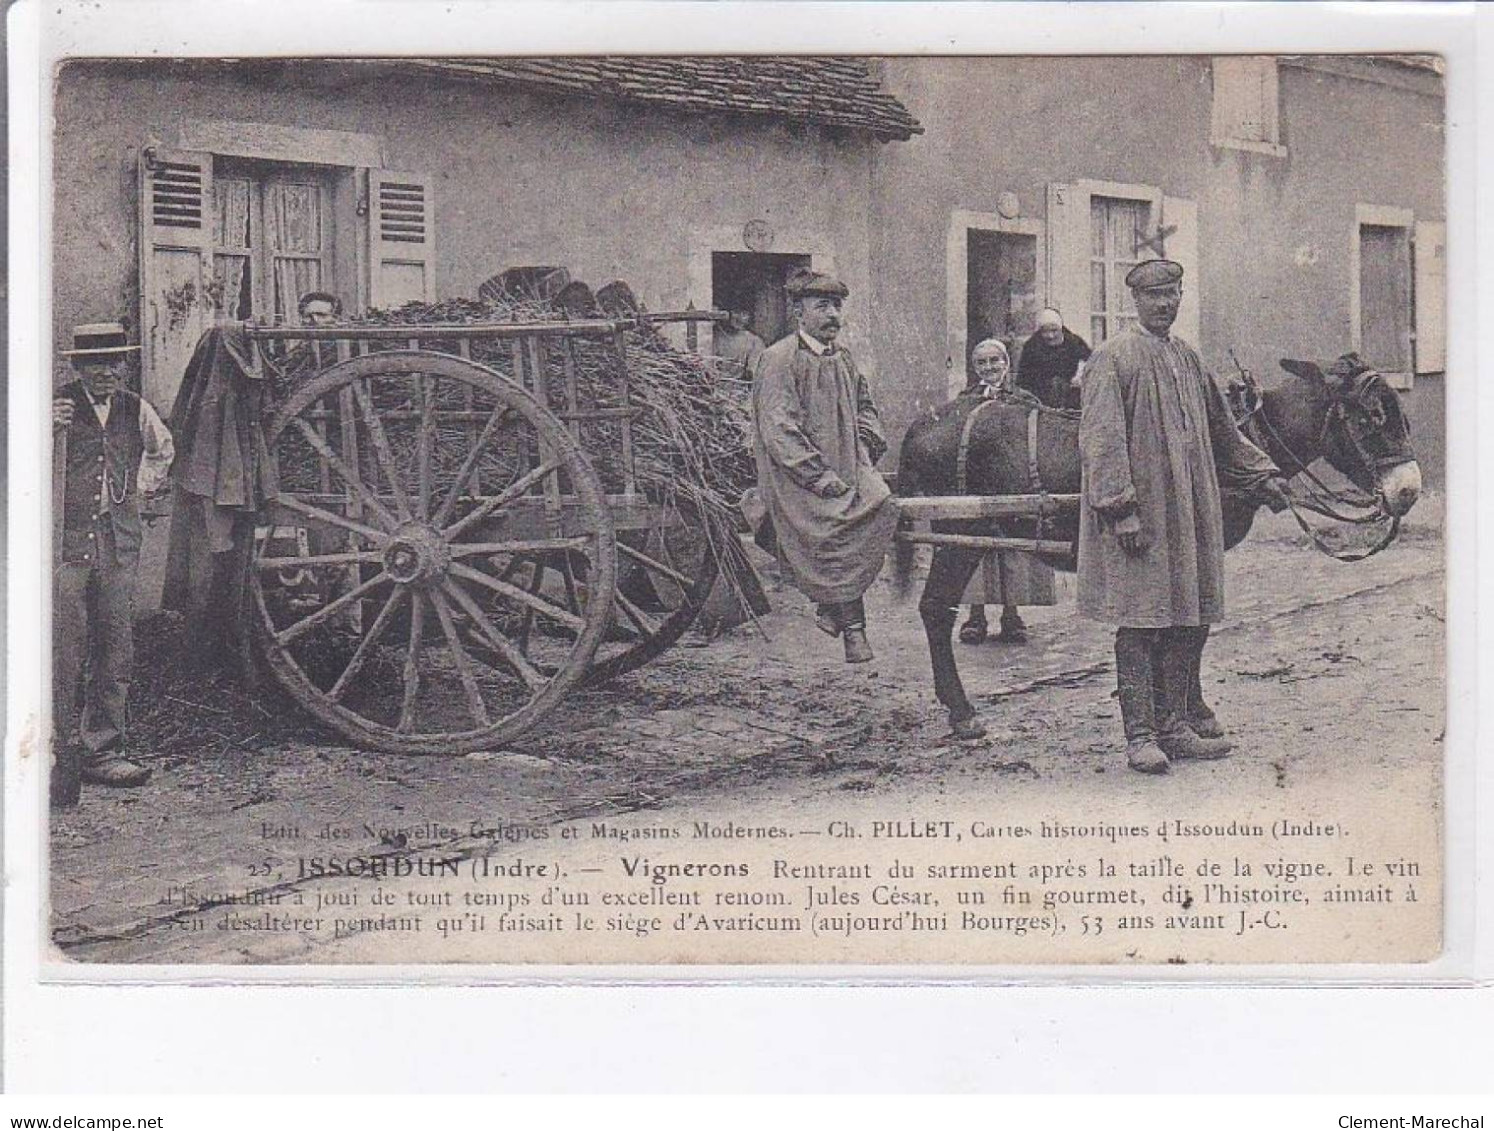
x=455, y=544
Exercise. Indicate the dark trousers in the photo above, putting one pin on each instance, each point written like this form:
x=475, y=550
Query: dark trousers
x=844, y=615
x=92, y=630
x=1158, y=678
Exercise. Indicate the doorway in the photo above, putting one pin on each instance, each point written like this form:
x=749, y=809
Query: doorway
x=1001, y=290
x=753, y=281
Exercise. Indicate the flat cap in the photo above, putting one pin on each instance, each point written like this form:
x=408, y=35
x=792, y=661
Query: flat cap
x=805, y=284
x=1154, y=273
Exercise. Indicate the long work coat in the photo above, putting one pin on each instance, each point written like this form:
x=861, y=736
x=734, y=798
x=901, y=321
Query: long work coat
x=1156, y=439
x=814, y=417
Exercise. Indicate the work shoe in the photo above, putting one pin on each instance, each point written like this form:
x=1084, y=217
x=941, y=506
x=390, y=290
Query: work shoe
x=858, y=649
x=1185, y=742
x=1013, y=631
x=973, y=631
x=1146, y=757
x=1205, y=725
x=114, y=770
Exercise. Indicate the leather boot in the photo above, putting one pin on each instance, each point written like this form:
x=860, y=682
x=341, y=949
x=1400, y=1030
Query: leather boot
x=858, y=649
x=1176, y=735
x=1200, y=716
x=1134, y=649
x=1013, y=629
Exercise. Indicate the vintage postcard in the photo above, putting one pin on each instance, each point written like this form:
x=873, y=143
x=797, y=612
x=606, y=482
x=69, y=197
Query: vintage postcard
x=756, y=510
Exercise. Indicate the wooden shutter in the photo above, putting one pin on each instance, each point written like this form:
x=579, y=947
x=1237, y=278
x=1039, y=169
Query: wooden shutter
x=1430, y=314
x=176, y=266
x=401, y=239
x=1182, y=247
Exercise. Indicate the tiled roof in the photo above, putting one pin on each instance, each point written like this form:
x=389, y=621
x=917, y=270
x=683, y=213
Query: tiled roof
x=827, y=91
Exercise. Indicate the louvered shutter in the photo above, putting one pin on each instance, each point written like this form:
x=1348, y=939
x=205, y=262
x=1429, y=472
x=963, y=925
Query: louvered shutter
x=401, y=239
x=176, y=233
x=1431, y=296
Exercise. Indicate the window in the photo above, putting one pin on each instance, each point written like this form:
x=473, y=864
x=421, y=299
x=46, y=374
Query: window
x=1246, y=111
x=242, y=236
x=273, y=239
x=1118, y=231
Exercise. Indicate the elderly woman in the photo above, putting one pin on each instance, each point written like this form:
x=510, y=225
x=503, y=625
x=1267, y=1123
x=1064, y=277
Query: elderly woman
x=1011, y=576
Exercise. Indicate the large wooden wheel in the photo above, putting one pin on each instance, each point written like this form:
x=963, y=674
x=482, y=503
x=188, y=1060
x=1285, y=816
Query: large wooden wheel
x=666, y=571
x=394, y=585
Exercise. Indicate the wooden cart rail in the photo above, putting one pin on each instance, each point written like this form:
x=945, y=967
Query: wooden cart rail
x=580, y=328
x=949, y=507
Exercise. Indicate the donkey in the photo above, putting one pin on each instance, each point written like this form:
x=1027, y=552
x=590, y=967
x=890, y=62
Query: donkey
x=1345, y=413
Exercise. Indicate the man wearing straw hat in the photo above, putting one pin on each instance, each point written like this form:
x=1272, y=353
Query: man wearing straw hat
x=113, y=449
x=817, y=438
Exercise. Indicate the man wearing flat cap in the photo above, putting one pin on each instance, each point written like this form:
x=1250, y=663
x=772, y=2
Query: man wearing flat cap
x=116, y=450
x=818, y=438
x=1156, y=441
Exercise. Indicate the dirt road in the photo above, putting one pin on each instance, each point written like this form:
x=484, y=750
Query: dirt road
x=1330, y=677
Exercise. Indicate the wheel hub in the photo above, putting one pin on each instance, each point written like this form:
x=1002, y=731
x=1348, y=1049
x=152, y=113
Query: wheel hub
x=416, y=554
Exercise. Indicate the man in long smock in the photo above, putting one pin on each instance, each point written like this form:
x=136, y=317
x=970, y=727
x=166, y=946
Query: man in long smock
x=817, y=439
x=1156, y=440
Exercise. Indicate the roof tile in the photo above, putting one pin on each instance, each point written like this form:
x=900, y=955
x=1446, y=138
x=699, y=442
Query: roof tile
x=827, y=91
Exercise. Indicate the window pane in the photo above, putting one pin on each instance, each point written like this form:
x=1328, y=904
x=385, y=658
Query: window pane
x=231, y=213
x=293, y=278
x=231, y=279
x=1097, y=221
x=293, y=216
x=1096, y=331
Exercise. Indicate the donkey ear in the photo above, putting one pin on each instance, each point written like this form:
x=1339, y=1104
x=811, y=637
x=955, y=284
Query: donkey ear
x=1307, y=370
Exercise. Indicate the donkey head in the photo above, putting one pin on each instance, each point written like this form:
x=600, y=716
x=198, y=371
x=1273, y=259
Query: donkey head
x=1364, y=433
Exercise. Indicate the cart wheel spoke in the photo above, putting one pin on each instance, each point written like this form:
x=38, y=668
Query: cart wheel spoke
x=352, y=557
x=645, y=624
x=666, y=576
x=411, y=675
x=366, y=645
x=349, y=476
x=330, y=609
x=460, y=658
x=518, y=546
x=653, y=566
x=529, y=600
x=474, y=457
x=332, y=518
x=427, y=438
x=532, y=677
x=503, y=498
x=383, y=453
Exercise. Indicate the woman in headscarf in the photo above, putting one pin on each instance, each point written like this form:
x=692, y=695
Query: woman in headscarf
x=1007, y=577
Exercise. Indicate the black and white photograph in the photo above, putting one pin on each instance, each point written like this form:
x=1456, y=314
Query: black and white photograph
x=766, y=509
